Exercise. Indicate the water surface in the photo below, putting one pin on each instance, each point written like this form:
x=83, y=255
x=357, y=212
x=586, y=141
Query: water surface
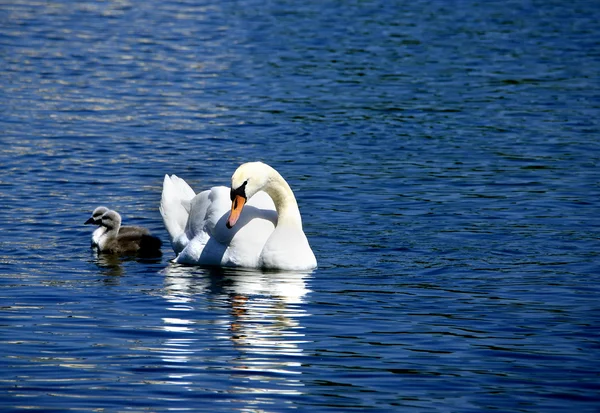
x=445, y=160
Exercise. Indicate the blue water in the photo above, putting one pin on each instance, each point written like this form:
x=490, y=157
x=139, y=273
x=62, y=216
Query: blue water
x=445, y=157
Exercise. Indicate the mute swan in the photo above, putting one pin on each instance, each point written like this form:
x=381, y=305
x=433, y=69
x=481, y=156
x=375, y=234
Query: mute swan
x=255, y=224
x=136, y=240
x=96, y=219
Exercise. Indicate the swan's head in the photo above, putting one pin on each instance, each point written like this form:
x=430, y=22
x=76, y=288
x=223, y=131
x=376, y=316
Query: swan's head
x=111, y=220
x=96, y=217
x=246, y=181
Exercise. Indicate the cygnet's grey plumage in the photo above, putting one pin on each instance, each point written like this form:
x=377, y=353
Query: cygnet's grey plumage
x=136, y=240
x=96, y=219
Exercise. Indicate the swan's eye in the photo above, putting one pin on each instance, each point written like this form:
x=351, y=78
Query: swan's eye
x=241, y=191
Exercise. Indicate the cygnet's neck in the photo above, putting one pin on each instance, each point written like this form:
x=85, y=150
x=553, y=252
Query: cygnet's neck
x=285, y=201
x=98, y=233
x=112, y=232
x=108, y=236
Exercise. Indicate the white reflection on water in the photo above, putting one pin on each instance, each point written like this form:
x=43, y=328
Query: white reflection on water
x=255, y=323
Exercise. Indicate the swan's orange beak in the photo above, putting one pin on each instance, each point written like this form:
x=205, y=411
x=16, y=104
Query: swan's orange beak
x=236, y=209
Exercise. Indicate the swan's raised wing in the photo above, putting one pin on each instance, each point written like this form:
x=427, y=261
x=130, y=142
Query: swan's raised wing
x=175, y=209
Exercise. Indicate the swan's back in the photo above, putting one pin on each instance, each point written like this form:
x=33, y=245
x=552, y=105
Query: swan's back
x=212, y=243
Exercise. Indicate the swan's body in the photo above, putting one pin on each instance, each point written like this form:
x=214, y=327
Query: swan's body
x=96, y=219
x=255, y=224
x=136, y=240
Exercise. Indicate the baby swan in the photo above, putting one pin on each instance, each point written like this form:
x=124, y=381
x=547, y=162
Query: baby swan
x=136, y=240
x=96, y=219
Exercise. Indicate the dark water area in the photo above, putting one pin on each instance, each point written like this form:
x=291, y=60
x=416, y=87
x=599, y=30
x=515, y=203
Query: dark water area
x=445, y=158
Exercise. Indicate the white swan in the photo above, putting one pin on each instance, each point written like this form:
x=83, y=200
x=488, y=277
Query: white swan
x=255, y=224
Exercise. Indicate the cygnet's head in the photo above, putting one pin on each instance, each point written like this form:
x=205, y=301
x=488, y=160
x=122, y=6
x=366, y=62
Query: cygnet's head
x=96, y=217
x=111, y=220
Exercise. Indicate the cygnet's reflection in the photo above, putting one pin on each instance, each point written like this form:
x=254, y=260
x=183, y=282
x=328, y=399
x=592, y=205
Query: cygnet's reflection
x=111, y=264
x=257, y=313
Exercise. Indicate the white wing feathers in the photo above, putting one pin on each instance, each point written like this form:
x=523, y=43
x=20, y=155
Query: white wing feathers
x=175, y=209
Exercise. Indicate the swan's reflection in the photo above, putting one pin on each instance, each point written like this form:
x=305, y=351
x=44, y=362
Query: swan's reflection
x=258, y=314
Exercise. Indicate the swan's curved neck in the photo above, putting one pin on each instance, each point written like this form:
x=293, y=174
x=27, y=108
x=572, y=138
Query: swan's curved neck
x=283, y=198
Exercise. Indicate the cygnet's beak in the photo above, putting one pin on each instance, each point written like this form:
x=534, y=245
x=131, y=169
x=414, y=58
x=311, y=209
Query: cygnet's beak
x=236, y=209
x=89, y=221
